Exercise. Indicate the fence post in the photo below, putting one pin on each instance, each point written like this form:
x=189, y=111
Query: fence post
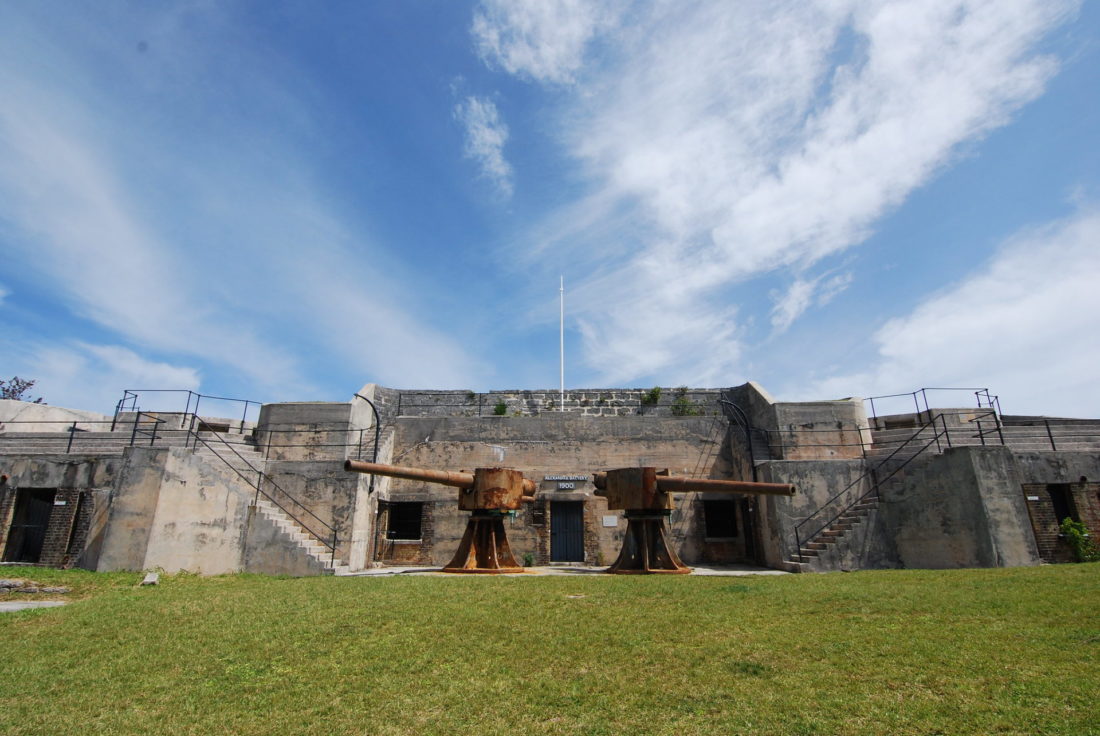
x=72, y=433
x=1050, y=435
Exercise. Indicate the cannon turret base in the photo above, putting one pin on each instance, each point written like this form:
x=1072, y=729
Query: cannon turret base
x=484, y=548
x=645, y=548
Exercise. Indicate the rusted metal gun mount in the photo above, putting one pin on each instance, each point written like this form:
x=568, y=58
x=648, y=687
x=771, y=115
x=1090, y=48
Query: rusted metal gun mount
x=645, y=496
x=488, y=493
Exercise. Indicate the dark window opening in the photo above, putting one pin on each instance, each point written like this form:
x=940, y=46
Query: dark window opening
x=1062, y=500
x=720, y=519
x=28, y=524
x=404, y=521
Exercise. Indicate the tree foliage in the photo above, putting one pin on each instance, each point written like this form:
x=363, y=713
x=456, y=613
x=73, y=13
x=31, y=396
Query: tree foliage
x=17, y=389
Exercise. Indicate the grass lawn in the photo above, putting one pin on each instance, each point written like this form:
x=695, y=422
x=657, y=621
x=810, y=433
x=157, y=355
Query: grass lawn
x=889, y=652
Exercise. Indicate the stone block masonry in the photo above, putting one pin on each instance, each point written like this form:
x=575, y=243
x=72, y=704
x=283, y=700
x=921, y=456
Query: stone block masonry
x=667, y=402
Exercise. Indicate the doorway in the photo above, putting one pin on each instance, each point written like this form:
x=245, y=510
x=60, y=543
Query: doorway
x=28, y=525
x=567, y=531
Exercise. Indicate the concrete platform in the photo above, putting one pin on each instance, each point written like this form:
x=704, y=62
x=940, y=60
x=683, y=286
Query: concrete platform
x=6, y=606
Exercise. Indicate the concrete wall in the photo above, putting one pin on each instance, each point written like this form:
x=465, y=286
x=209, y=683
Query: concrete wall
x=174, y=511
x=816, y=482
x=964, y=508
x=201, y=517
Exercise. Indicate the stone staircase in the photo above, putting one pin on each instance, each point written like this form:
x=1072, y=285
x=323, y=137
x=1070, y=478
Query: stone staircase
x=306, y=542
x=895, y=446
x=804, y=560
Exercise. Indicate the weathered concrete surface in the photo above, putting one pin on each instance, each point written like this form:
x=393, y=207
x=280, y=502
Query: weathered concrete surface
x=964, y=508
x=174, y=511
x=200, y=519
x=807, y=430
x=11, y=606
x=816, y=482
x=133, y=504
x=24, y=416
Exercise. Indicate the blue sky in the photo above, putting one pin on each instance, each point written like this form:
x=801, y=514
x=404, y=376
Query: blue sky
x=284, y=201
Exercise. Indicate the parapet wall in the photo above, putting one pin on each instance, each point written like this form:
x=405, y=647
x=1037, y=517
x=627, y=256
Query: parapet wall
x=611, y=402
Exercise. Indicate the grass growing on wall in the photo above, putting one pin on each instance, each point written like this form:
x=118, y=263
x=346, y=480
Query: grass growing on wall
x=898, y=652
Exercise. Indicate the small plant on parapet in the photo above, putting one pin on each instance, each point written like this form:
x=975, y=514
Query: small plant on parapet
x=1084, y=549
x=652, y=396
x=471, y=397
x=682, y=406
x=500, y=409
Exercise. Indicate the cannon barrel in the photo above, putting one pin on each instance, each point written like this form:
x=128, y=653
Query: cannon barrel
x=683, y=484
x=680, y=484
x=443, y=477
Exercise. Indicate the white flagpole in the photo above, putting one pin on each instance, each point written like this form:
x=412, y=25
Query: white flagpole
x=561, y=337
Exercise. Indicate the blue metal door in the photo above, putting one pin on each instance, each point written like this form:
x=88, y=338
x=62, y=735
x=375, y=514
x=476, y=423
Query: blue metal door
x=567, y=531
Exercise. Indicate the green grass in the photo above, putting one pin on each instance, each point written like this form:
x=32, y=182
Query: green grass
x=892, y=652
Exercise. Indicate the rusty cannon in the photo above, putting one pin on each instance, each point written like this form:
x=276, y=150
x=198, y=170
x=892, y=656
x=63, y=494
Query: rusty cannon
x=488, y=493
x=645, y=494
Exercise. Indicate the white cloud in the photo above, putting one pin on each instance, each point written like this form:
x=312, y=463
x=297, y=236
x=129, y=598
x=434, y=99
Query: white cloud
x=1025, y=326
x=544, y=40
x=166, y=209
x=80, y=375
x=802, y=294
x=789, y=305
x=4, y=293
x=486, y=135
x=728, y=140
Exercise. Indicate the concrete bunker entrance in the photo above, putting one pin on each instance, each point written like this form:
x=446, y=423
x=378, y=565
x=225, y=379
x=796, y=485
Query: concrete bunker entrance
x=30, y=519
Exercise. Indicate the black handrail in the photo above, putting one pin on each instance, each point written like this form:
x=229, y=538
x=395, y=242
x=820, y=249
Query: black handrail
x=130, y=397
x=262, y=477
x=876, y=483
x=992, y=401
x=738, y=415
x=377, y=434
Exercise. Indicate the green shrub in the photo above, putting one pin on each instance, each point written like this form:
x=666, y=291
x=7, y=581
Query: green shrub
x=500, y=409
x=652, y=396
x=682, y=406
x=1084, y=549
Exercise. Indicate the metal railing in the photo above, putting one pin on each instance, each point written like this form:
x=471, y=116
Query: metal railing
x=738, y=416
x=984, y=398
x=876, y=481
x=130, y=397
x=263, y=478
